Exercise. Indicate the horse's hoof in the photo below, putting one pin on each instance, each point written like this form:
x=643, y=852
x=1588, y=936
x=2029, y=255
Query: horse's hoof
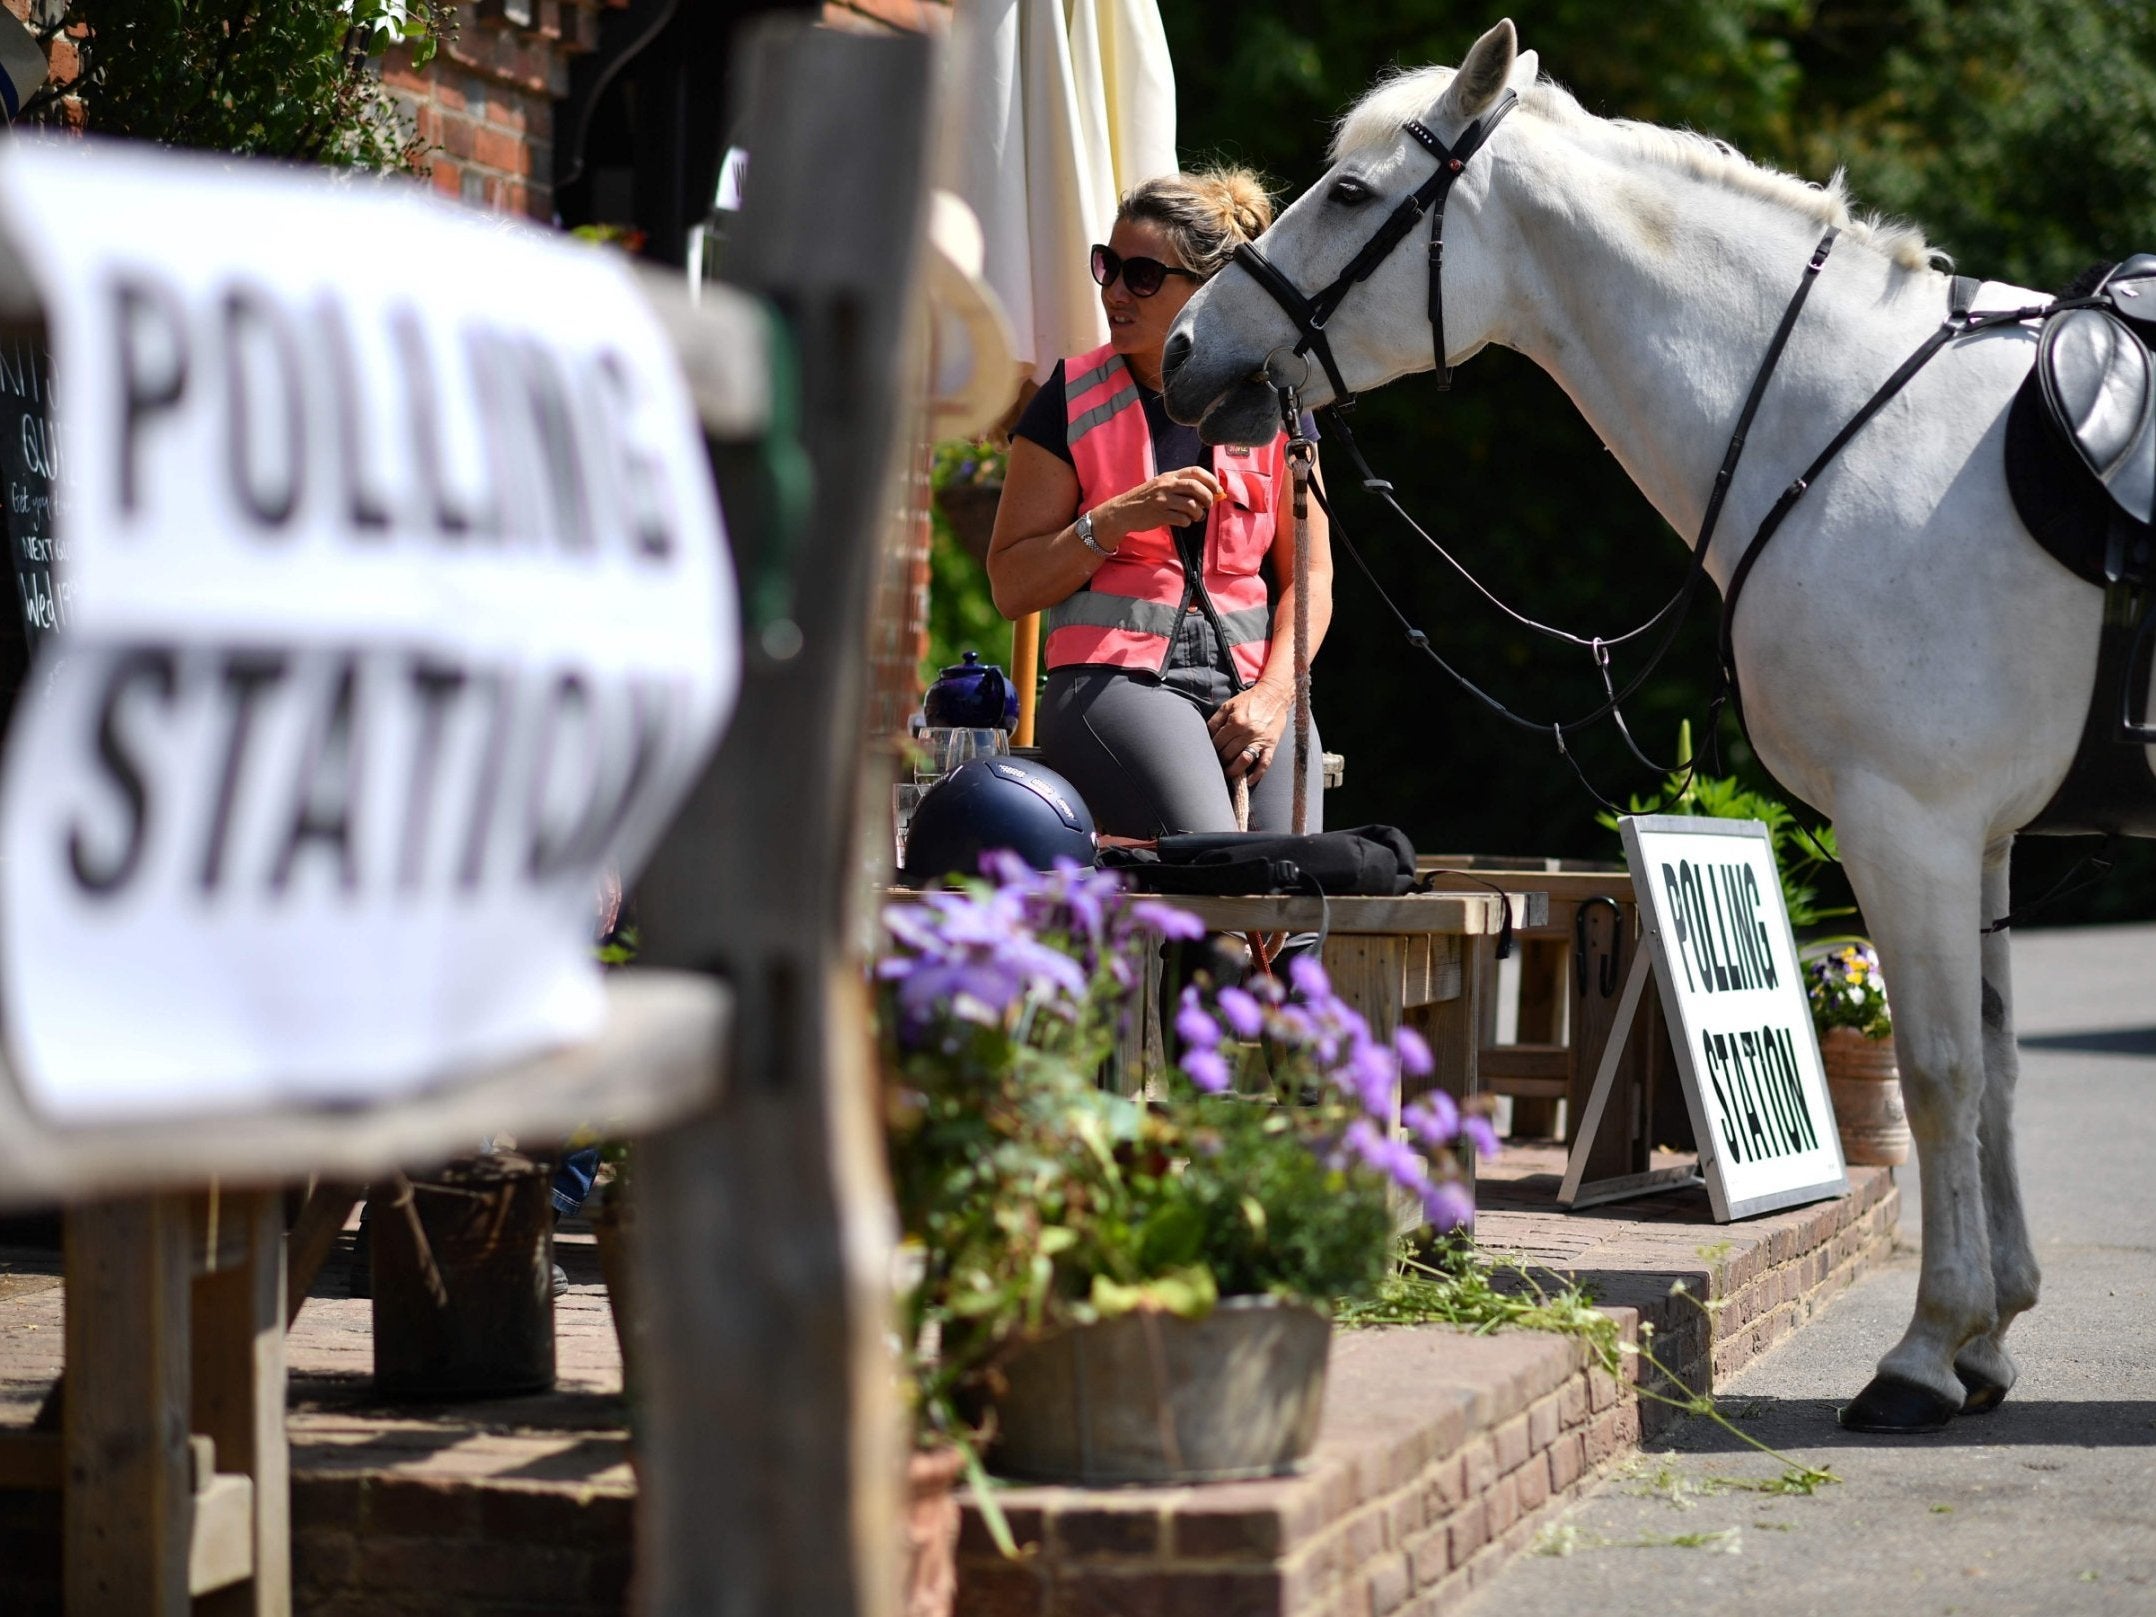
x=1891, y=1404
x=1984, y=1394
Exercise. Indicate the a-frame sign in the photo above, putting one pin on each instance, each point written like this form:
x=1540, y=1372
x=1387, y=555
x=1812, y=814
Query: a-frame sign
x=1719, y=944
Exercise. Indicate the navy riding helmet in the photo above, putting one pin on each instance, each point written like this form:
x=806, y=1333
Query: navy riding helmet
x=989, y=803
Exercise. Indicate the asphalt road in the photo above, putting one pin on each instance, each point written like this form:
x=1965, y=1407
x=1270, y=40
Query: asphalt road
x=2047, y=1506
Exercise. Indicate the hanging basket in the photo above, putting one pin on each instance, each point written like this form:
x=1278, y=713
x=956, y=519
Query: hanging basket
x=1865, y=1086
x=970, y=509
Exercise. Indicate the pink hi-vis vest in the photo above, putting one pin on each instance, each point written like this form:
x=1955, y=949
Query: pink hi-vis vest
x=1127, y=617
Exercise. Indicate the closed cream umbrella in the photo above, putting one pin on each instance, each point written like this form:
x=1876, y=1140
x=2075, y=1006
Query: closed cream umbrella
x=1057, y=107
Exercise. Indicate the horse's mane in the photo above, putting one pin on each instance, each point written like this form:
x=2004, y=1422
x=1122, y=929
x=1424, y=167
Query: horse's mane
x=1374, y=123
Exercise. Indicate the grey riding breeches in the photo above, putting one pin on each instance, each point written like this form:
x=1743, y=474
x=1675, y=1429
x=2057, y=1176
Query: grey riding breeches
x=1137, y=749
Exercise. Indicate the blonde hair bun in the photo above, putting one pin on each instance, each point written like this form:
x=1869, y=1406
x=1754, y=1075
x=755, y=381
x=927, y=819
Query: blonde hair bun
x=1206, y=214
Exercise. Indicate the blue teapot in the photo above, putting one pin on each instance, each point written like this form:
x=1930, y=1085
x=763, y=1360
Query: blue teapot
x=971, y=695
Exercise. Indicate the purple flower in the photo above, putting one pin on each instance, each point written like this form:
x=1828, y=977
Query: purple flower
x=971, y=991
x=1414, y=1053
x=1243, y=1012
x=1207, y=1070
x=1394, y=1158
x=1006, y=869
x=1196, y=1029
x=1166, y=921
x=1372, y=1075
x=1266, y=989
x=1448, y=1206
x=1434, y=1118
x=1478, y=1130
x=1309, y=978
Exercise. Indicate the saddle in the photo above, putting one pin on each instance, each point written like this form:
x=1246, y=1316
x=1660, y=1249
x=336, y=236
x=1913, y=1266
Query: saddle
x=2081, y=466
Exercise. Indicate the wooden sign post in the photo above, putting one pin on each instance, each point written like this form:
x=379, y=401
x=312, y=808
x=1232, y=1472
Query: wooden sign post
x=1719, y=945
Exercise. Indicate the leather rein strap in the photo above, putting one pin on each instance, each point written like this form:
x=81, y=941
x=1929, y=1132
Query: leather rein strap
x=1671, y=614
x=1311, y=314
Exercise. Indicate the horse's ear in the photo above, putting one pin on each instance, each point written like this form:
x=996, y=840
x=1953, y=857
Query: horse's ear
x=1482, y=77
x=1526, y=69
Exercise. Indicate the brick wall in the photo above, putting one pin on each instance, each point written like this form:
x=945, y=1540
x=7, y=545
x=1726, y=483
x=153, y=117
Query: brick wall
x=1446, y=1453
x=366, y=1546
x=65, y=61
x=1442, y=1454
x=485, y=104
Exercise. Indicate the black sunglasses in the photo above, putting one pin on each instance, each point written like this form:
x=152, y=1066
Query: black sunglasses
x=1142, y=277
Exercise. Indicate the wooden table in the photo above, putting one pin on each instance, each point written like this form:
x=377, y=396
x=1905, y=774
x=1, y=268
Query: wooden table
x=1407, y=960
x=1572, y=963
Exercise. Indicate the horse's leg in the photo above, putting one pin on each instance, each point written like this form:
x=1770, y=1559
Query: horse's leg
x=1918, y=880
x=1986, y=1369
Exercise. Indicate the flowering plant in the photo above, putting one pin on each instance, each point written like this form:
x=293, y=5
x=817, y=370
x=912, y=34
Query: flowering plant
x=962, y=462
x=1036, y=1198
x=1842, y=978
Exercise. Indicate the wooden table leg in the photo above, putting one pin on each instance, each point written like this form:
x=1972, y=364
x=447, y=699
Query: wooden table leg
x=1544, y=967
x=127, y=1508
x=239, y=1402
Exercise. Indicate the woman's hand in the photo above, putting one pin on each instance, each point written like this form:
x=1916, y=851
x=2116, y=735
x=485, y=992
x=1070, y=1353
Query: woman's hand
x=1247, y=727
x=1171, y=500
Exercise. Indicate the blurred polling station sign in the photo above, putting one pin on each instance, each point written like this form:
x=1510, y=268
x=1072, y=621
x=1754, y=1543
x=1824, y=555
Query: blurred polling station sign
x=399, y=612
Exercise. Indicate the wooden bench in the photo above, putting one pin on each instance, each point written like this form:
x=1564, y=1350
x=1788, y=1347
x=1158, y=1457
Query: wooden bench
x=1572, y=964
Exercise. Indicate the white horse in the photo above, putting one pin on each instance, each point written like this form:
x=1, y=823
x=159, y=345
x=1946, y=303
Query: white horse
x=1911, y=662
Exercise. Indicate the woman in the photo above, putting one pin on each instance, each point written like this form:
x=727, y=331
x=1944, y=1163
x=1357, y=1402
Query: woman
x=1170, y=652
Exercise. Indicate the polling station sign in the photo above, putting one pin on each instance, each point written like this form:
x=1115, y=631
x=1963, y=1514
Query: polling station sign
x=398, y=612
x=1711, y=903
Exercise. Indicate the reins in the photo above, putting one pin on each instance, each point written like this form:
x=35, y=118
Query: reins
x=1670, y=616
x=1312, y=314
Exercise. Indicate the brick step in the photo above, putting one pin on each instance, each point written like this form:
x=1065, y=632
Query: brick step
x=1442, y=1453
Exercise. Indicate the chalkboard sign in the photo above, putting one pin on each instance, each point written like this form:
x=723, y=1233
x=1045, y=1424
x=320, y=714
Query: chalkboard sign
x=31, y=487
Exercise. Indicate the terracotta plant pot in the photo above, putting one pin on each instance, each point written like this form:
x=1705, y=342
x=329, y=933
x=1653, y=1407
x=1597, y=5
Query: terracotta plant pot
x=1865, y=1086
x=1149, y=1398
x=932, y=1519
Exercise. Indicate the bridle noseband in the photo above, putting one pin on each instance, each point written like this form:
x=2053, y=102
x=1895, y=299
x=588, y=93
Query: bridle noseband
x=1311, y=314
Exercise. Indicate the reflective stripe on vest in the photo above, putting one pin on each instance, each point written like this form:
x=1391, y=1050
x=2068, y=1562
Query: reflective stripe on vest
x=1128, y=615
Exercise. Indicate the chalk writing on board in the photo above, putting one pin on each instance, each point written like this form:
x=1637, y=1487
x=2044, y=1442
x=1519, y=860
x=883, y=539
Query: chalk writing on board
x=34, y=477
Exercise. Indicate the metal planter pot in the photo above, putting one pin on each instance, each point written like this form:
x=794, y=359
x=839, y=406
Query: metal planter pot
x=463, y=1294
x=1149, y=1398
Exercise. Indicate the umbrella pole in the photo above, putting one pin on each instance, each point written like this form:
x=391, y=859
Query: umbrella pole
x=1026, y=670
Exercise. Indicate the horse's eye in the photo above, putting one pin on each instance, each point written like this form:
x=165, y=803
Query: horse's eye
x=1349, y=192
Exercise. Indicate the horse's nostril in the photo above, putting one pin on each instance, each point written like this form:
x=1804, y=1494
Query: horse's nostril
x=1177, y=350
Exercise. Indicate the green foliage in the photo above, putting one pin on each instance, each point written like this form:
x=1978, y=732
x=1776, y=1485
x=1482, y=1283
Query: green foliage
x=293, y=79
x=1799, y=854
x=1455, y=1284
x=2019, y=132
x=1033, y=1198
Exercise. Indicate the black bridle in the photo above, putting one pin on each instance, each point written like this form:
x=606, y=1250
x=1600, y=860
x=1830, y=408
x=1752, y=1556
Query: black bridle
x=1311, y=314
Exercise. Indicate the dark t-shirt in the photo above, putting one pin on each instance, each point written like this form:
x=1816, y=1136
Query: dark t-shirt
x=1174, y=445
x=1043, y=421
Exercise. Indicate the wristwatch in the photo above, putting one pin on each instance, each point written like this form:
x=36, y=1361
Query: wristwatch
x=1084, y=527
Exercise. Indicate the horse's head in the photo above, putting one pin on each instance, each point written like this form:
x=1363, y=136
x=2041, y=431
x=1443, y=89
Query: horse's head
x=1214, y=366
